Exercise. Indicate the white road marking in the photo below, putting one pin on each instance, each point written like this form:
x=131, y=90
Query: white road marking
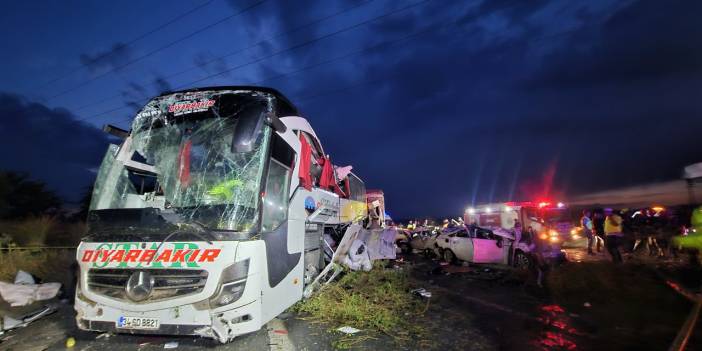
x=278, y=336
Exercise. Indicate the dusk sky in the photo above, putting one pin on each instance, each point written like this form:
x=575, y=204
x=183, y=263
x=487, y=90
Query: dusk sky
x=439, y=103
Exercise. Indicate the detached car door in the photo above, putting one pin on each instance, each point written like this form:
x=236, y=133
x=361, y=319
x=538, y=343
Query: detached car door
x=486, y=248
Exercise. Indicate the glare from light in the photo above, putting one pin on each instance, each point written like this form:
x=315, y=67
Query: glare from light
x=543, y=236
x=576, y=236
x=658, y=208
x=488, y=210
x=554, y=239
x=573, y=231
x=471, y=210
x=552, y=232
x=508, y=208
x=560, y=205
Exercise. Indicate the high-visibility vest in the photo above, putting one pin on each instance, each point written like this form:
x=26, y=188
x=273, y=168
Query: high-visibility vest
x=613, y=224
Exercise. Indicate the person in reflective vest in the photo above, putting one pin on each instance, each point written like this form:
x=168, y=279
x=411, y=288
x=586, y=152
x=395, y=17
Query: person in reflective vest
x=613, y=234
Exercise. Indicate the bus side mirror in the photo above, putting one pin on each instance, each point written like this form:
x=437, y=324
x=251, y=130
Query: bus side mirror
x=247, y=129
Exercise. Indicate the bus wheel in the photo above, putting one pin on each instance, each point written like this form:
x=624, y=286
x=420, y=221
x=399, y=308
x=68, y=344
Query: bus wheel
x=522, y=261
x=449, y=256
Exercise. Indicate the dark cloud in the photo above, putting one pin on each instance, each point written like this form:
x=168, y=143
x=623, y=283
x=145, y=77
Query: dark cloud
x=136, y=95
x=210, y=63
x=50, y=145
x=112, y=58
x=645, y=40
x=471, y=113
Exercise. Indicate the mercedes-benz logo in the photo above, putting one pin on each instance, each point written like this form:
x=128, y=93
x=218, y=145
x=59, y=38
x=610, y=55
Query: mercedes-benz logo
x=139, y=286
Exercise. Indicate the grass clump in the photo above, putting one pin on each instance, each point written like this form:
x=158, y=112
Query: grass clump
x=378, y=301
x=31, y=231
x=47, y=265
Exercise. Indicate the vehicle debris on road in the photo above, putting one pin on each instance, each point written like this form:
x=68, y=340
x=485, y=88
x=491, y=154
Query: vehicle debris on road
x=25, y=291
x=421, y=292
x=348, y=330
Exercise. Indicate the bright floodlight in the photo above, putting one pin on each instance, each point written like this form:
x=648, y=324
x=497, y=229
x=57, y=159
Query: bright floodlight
x=488, y=210
x=471, y=210
x=560, y=205
x=508, y=208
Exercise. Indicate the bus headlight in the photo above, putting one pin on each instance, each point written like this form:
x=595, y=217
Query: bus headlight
x=231, y=284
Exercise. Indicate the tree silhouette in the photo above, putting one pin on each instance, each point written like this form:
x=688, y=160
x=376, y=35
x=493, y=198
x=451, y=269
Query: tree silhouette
x=21, y=197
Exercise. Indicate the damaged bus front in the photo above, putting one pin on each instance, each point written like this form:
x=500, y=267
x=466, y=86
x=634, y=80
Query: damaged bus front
x=196, y=224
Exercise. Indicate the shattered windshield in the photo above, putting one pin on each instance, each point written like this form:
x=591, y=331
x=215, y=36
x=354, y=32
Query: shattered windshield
x=192, y=157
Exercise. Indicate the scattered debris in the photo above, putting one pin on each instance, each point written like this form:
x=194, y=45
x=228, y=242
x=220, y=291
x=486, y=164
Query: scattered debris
x=103, y=335
x=348, y=330
x=7, y=322
x=70, y=342
x=24, y=290
x=421, y=292
x=170, y=345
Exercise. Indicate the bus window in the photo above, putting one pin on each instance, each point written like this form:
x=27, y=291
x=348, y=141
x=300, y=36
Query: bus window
x=275, y=204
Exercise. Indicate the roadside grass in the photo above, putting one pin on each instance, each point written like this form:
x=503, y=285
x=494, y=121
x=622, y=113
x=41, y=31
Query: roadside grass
x=630, y=304
x=41, y=231
x=47, y=265
x=375, y=302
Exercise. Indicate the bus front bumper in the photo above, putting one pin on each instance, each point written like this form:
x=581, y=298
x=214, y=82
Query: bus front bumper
x=192, y=319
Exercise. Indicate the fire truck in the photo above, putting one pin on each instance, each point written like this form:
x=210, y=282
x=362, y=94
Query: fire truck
x=208, y=217
x=545, y=221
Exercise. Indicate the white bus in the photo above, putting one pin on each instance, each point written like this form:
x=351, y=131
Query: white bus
x=208, y=218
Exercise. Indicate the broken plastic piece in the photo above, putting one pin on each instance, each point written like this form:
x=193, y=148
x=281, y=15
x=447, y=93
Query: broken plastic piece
x=421, y=292
x=348, y=330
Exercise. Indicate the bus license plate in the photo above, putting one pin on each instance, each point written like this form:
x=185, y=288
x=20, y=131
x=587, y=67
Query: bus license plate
x=137, y=323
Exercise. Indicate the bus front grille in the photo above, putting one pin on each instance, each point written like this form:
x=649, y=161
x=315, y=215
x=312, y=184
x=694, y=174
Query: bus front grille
x=166, y=283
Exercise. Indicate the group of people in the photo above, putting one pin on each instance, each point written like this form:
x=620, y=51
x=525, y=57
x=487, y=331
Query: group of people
x=604, y=229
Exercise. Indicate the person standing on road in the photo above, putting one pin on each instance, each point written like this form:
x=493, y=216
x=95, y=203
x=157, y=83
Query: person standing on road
x=613, y=233
x=598, y=225
x=586, y=224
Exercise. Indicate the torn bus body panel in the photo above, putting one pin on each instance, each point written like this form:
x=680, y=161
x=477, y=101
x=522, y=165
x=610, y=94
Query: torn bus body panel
x=208, y=219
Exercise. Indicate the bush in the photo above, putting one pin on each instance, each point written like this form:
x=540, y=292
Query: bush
x=47, y=265
x=32, y=231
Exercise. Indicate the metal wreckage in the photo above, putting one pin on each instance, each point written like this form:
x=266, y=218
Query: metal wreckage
x=218, y=211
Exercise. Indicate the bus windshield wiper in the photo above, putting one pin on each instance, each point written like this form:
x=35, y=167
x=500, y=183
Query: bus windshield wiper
x=200, y=235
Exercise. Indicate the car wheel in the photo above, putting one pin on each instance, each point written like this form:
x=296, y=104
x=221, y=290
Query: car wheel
x=522, y=261
x=428, y=253
x=449, y=256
